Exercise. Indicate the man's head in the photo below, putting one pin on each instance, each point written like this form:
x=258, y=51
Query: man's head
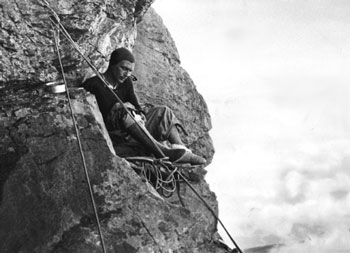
x=121, y=64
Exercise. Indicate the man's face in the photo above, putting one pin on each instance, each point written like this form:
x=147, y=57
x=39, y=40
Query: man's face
x=122, y=70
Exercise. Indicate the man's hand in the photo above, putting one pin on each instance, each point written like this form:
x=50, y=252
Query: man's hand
x=139, y=119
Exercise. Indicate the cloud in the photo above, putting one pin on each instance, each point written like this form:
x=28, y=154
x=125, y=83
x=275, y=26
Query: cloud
x=302, y=211
x=283, y=182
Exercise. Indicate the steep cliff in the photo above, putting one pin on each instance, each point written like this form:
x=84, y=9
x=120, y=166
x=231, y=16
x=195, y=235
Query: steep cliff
x=44, y=201
x=163, y=81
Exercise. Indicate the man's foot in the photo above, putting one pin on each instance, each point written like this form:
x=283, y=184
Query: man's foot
x=191, y=158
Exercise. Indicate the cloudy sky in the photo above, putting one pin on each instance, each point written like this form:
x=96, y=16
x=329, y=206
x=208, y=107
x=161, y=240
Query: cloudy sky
x=275, y=76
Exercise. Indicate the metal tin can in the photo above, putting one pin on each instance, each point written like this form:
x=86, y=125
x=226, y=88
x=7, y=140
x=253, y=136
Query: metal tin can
x=55, y=86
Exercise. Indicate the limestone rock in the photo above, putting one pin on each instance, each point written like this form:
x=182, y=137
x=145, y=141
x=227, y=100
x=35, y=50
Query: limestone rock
x=44, y=199
x=97, y=26
x=162, y=81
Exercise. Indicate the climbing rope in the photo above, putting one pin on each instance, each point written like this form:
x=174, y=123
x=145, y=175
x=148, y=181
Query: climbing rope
x=211, y=210
x=208, y=206
x=56, y=38
x=155, y=172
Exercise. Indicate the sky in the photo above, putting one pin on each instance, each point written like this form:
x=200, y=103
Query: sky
x=274, y=75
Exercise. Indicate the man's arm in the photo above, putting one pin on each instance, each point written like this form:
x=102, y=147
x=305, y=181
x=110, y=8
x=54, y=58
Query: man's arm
x=89, y=85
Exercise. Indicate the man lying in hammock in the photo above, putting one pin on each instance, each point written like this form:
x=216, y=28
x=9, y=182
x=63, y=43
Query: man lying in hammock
x=156, y=132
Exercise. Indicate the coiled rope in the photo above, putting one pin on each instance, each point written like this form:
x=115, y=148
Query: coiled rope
x=156, y=173
x=56, y=38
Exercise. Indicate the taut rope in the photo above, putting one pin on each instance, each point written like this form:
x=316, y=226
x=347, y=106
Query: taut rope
x=56, y=37
x=168, y=186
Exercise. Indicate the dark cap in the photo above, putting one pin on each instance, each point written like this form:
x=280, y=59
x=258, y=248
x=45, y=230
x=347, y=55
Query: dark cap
x=121, y=54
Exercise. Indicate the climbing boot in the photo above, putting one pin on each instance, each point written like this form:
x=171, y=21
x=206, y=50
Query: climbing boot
x=191, y=158
x=173, y=154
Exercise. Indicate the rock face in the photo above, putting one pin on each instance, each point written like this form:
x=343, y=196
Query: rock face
x=161, y=80
x=26, y=36
x=44, y=200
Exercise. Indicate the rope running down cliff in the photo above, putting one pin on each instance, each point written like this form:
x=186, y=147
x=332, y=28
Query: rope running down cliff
x=56, y=37
x=173, y=169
